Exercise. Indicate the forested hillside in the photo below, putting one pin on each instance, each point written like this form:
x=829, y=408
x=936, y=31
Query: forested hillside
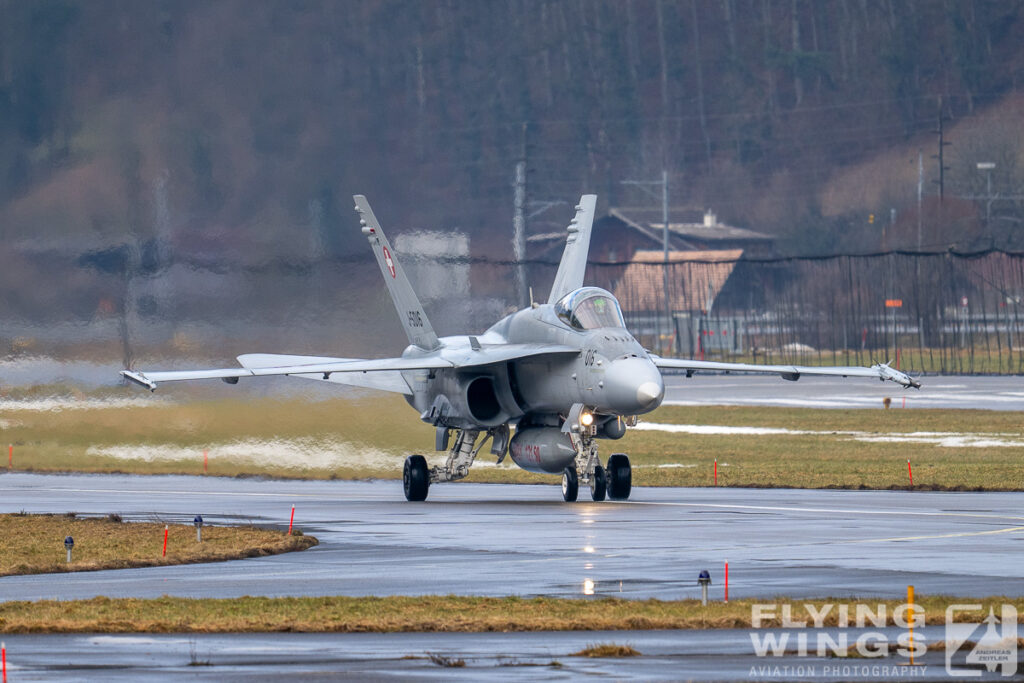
x=240, y=127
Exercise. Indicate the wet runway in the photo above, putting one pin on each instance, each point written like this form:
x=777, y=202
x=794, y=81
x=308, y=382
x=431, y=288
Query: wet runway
x=480, y=539
x=971, y=392
x=721, y=655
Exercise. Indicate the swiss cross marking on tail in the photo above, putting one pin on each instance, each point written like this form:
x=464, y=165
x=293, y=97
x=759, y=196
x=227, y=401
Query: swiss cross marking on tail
x=390, y=263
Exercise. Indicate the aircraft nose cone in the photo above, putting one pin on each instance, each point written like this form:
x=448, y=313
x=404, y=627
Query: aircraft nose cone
x=648, y=392
x=633, y=386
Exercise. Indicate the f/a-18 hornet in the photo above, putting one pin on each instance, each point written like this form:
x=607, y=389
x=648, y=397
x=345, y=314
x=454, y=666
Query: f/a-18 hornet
x=565, y=374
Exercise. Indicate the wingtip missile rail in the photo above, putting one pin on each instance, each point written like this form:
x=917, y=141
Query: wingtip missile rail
x=885, y=372
x=139, y=379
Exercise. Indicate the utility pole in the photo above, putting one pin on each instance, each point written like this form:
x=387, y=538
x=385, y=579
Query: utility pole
x=920, y=192
x=645, y=186
x=917, y=258
x=942, y=145
x=988, y=166
x=519, y=223
x=664, y=238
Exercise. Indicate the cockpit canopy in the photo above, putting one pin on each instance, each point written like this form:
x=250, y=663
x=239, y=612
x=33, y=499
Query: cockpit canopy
x=589, y=308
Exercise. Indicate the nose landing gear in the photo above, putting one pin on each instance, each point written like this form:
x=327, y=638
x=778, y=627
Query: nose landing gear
x=620, y=476
x=614, y=481
x=570, y=485
x=598, y=484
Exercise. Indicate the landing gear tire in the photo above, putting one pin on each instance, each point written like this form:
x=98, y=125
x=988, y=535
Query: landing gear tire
x=570, y=485
x=598, y=484
x=415, y=478
x=620, y=476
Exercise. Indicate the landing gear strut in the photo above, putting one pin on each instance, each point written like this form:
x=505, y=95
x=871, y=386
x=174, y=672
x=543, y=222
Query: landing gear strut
x=460, y=456
x=417, y=477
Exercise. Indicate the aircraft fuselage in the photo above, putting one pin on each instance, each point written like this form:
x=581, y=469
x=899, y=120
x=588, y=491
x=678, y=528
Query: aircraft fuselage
x=611, y=375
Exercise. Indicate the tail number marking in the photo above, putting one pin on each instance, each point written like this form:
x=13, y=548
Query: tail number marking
x=415, y=319
x=389, y=261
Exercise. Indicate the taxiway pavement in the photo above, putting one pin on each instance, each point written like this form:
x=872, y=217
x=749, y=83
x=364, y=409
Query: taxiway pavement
x=480, y=539
x=716, y=655
x=1003, y=392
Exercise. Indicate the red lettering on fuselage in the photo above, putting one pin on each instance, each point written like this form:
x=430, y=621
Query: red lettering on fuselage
x=526, y=452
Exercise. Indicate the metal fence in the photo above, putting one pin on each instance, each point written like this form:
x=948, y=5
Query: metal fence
x=946, y=313
x=940, y=313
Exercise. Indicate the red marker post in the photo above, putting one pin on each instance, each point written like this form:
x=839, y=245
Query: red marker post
x=3, y=656
x=291, y=521
x=716, y=471
x=165, y=540
x=911, y=473
x=727, y=580
x=10, y=456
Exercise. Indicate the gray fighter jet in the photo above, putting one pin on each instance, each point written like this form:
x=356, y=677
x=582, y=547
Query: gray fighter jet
x=566, y=374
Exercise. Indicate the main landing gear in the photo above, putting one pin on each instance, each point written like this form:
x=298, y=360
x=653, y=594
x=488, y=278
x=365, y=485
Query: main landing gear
x=613, y=481
x=417, y=477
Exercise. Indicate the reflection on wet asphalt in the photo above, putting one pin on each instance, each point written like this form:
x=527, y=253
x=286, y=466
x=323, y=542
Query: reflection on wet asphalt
x=482, y=539
x=490, y=539
x=721, y=655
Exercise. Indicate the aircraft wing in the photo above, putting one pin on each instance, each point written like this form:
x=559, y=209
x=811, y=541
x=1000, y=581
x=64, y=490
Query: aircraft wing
x=880, y=371
x=325, y=369
x=317, y=367
x=382, y=380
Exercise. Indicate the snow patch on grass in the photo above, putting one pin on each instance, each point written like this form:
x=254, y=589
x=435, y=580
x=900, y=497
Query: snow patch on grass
x=41, y=405
x=941, y=439
x=280, y=453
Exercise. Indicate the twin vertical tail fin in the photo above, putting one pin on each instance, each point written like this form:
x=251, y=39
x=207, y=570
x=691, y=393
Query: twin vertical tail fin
x=410, y=310
x=573, y=265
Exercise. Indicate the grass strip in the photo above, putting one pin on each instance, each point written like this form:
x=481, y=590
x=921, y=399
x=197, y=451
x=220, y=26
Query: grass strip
x=294, y=438
x=433, y=614
x=34, y=544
